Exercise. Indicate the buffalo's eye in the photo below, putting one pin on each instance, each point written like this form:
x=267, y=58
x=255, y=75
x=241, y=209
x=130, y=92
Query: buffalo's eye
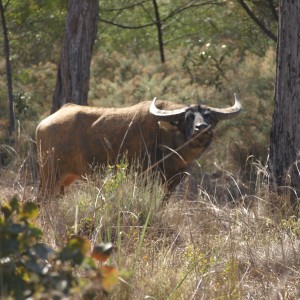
x=191, y=117
x=207, y=115
x=175, y=123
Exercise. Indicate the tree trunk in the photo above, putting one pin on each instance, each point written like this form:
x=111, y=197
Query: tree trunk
x=285, y=132
x=159, y=32
x=8, y=72
x=73, y=75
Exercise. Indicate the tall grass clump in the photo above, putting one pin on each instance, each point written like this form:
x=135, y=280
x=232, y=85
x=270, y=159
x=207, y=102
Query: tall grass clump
x=18, y=165
x=105, y=203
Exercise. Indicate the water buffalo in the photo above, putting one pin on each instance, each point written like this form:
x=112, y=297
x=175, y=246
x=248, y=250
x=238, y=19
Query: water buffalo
x=161, y=135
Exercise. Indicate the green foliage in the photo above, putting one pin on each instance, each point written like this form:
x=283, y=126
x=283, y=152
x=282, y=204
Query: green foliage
x=23, y=109
x=207, y=64
x=33, y=26
x=115, y=177
x=23, y=257
x=183, y=25
x=75, y=251
x=291, y=225
x=30, y=268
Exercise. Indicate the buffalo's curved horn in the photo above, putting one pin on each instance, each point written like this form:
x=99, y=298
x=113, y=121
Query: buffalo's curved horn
x=226, y=113
x=219, y=113
x=165, y=113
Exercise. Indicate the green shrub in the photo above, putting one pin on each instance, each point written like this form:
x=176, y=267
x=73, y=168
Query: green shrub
x=30, y=268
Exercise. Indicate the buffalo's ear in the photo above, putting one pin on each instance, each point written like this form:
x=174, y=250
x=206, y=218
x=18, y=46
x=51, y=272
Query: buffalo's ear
x=170, y=136
x=166, y=126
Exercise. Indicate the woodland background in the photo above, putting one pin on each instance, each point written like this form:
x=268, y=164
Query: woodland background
x=237, y=240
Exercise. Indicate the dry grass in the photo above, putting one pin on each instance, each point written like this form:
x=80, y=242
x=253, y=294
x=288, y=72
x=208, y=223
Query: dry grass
x=178, y=249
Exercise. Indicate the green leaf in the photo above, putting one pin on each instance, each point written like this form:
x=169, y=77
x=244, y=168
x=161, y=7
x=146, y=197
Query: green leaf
x=75, y=250
x=6, y=209
x=34, y=232
x=9, y=247
x=14, y=203
x=30, y=210
x=15, y=229
x=36, y=266
x=89, y=264
x=40, y=250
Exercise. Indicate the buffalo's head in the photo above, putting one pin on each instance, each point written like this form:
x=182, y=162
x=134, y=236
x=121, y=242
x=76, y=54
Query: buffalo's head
x=191, y=125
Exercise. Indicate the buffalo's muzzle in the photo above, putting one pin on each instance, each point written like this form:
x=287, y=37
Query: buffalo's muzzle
x=200, y=126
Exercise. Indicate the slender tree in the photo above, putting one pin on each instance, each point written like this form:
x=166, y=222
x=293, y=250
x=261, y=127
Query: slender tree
x=285, y=132
x=8, y=71
x=159, y=32
x=73, y=75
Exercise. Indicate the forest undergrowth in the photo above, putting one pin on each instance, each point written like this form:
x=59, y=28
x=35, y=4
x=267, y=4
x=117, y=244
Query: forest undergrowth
x=176, y=248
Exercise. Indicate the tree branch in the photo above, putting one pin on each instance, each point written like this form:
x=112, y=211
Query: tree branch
x=258, y=22
x=159, y=32
x=123, y=8
x=170, y=15
x=126, y=26
x=191, y=5
x=5, y=5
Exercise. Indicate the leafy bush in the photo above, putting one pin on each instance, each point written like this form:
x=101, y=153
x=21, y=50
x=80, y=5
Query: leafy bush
x=30, y=268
